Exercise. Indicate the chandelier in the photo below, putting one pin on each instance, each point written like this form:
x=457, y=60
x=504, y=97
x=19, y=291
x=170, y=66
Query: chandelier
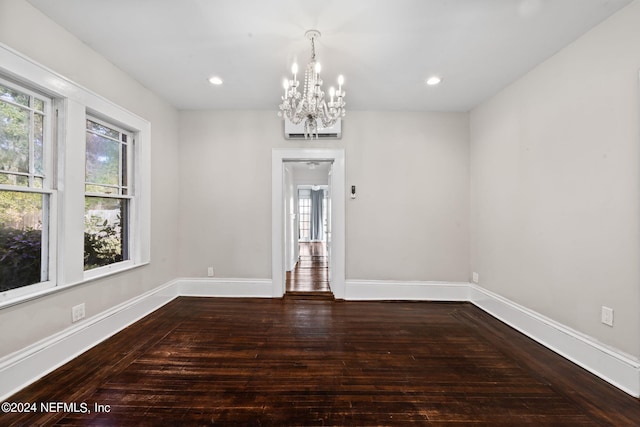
x=311, y=106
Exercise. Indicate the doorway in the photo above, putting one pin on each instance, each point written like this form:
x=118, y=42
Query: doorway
x=308, y=232
x=282, y=230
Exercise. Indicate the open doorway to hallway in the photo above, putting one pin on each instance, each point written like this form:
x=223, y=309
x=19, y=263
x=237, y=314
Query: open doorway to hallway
x=308, y=228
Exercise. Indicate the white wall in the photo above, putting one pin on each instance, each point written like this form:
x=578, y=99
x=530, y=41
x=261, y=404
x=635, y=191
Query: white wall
x=54, y=47
x=290, y=210
x=555, y=184
x=410, y=221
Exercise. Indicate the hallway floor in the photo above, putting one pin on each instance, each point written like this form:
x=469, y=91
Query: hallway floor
x=311, y=274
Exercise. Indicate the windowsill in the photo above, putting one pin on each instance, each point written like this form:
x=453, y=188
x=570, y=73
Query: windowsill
x=107, y=270
x=50, y=291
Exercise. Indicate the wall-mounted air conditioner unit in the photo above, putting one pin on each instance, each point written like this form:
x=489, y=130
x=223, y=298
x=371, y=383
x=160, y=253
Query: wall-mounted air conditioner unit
x=292, y=131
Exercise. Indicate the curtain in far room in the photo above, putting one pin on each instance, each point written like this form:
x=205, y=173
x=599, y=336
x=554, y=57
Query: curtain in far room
x=316, y=226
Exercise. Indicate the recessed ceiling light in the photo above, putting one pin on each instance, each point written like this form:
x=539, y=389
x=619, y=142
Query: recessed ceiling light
x=434, y=80
x=215, y=80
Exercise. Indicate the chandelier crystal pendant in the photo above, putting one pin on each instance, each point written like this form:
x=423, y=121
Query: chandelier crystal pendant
x=311, y=106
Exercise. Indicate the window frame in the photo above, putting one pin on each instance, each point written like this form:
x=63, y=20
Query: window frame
x=49, y=240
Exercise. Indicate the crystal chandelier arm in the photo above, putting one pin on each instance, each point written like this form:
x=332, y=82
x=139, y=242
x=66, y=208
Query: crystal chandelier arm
x=330, y=115
x=296, y=113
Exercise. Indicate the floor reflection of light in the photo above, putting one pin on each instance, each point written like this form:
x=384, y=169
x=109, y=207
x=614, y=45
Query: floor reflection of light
x=311, y=318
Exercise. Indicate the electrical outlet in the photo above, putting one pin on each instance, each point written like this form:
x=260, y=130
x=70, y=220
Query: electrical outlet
x=475, y=277
x=210, y=272
x=607, y=315
x=77, y=312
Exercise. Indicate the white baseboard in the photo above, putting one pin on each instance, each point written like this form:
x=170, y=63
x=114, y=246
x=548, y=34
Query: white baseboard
x=217, y=287
x=615, y=367
x=370, y=290
x=30, y=364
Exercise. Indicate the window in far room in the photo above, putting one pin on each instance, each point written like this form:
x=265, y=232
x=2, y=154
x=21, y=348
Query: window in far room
x=304, y=214
x=27, y=257
x=108, y=194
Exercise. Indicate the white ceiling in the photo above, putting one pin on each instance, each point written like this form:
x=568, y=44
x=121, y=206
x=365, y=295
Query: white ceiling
x=384, y=48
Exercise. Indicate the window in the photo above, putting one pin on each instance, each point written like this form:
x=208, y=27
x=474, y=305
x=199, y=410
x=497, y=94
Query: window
x=304, y=214
x=25, y=189
x=108, y=195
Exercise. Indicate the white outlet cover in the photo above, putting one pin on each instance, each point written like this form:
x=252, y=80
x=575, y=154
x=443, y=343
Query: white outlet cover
x=607, y=316
x=77, y=312
x=476, y=277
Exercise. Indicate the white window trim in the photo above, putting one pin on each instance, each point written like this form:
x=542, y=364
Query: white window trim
x=73, y=102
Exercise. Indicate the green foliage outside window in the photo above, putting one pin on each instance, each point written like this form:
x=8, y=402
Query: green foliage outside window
x=20, y=257
x=20, y=239
x=102, y=242
x=103, y=234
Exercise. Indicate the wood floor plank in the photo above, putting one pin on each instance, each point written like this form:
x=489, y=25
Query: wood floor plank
x=310, y=276
x=205, y=361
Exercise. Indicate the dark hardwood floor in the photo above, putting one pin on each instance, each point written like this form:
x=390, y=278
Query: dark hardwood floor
x=311, y=274
x=205, y=361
